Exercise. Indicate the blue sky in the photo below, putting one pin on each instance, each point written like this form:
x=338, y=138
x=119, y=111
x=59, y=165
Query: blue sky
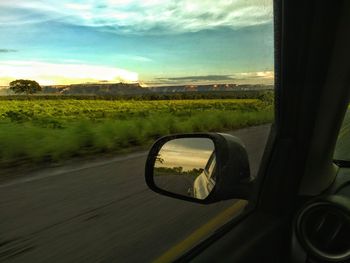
x=153, y=42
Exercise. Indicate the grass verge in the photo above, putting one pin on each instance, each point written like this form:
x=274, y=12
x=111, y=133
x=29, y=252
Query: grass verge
x=30, y=143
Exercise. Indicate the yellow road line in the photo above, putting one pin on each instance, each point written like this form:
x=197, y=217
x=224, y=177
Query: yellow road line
x=202, y=232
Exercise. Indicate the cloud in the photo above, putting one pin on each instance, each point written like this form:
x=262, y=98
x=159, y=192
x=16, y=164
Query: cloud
x=25, y=12
x=257, y=77
x=51, y=73
x=144, y=16
x=199, y=78
x=140, y=58
x=136, y=58
x=5, y=50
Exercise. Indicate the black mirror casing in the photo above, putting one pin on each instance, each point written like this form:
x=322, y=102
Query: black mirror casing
x=233, y=180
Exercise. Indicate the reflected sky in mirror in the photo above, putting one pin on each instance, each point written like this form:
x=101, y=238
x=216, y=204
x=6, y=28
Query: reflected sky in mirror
x=188, y=152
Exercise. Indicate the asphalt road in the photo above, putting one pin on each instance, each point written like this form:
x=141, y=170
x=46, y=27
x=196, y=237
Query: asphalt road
x=101, y=211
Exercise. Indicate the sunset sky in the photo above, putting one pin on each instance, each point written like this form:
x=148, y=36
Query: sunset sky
x=154, y=42
x=189, y=153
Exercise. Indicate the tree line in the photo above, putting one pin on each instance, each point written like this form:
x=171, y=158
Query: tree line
x=31, y=87
x=177, y=171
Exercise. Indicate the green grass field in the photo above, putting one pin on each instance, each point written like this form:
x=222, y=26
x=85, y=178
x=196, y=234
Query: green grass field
x=35, y=131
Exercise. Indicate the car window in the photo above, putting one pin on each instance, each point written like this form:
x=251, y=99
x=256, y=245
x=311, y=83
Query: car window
x=211, y=167
x=87, y=86
x=342, y=149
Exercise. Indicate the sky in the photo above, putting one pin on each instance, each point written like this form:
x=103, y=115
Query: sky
x=152, y=42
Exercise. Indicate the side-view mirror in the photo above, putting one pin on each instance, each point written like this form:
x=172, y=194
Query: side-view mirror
x=199, y=167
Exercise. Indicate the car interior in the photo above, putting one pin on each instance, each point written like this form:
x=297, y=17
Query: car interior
x=299, y=204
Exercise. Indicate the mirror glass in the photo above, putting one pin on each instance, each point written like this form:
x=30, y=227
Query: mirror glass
x=186, y=166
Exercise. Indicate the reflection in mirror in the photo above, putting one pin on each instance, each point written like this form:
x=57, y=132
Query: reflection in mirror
x=186, y=167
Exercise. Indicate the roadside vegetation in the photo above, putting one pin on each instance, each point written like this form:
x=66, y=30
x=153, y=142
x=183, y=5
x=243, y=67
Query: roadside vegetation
x=237, y=94
x=41, y=130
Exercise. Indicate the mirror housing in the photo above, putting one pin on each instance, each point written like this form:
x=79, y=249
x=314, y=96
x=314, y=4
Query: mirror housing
x=233, y=180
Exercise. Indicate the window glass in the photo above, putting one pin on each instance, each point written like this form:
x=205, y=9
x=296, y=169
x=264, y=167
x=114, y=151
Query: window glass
x=87, y=86
x=211, y=167
x=342, y=150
